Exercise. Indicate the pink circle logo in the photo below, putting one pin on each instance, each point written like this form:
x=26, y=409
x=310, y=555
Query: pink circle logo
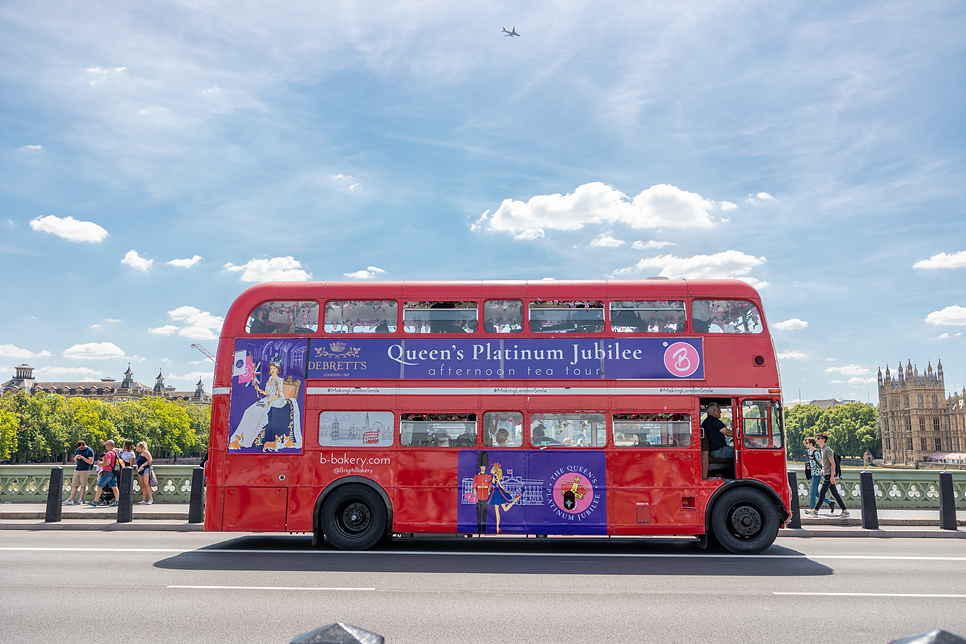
x=681, y=359
x=573, y=493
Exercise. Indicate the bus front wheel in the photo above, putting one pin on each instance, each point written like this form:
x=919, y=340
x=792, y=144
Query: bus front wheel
x=354, y=518
x=745, y=521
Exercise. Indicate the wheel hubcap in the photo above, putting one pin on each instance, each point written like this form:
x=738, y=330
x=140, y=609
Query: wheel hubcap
x=356, y=517
x=746, y=521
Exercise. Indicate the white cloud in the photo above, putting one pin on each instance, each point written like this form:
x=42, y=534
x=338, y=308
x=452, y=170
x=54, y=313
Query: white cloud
x=949, y=316
x=96, y=327
x=197, y=324
x=861, y=381
x=658, y=207
x=12, y=351
x=277, y=269
x=68, y=371
x=167, y=329
x=830, y=359
x=758, y=284
x=185, y=263
x=727, y=205
x=641, y=245
x=137, y=262
x=70, y=229
x=365, y=274
x=849, y=370
x=943, y=260
x=726, y=264
x=792, y=355
x=32, y=147
x=837, y=382
x=94, y=351
x=191, y=377
x=111, y=320
x=793, y=324
x=607, y=240
x=944, y=336
x=98, y=75
x=760, y=198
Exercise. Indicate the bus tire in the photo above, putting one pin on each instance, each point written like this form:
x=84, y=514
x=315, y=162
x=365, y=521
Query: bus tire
x=744, y=521
x=354, y=518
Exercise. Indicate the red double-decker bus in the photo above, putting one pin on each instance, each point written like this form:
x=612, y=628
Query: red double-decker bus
x=356, y=411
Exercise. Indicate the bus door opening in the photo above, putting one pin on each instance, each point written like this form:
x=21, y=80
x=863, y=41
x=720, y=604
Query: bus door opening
x=717, y=459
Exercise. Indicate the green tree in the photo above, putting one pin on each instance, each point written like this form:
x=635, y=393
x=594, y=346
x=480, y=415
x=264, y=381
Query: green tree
x=43, y=426
x=8, y=433
x=852, y=429
x=800, y=422
x=93, y=421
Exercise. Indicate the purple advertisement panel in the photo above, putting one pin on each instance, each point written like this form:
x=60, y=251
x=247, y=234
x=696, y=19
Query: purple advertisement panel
x=352, y=358
x=516, y=492
x=449, y=358
x=267, y=396
x=653, y=358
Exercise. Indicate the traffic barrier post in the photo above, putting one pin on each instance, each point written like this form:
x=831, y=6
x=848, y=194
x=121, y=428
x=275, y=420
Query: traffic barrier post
x=55, y=490
x=796, y=521
x=870, y=515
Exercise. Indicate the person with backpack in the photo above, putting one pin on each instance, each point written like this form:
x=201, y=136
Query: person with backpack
x=828, y=477
x=813, y=472
x=110, y=464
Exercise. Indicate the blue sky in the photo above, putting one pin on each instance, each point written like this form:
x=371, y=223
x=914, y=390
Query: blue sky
x=159, y=158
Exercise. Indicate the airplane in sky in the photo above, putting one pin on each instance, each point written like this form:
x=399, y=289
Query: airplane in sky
x=510, y=33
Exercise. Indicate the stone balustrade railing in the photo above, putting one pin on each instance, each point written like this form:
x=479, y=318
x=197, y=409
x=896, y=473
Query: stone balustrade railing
x=29, y=483
x=893, y=488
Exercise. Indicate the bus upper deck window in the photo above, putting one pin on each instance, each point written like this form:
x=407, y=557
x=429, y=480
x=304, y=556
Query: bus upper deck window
x=726, y=316
x=566, y=316
x=503, y=316
x=284, y=317
x=648, y=316
x=360, y=316
x=439, y=317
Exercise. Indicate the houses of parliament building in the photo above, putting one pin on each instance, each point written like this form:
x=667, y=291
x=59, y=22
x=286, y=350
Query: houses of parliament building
x=917, y=420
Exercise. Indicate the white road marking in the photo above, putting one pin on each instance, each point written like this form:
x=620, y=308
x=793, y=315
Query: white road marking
x=261, y=588
x=923, y=595
x=433, y=553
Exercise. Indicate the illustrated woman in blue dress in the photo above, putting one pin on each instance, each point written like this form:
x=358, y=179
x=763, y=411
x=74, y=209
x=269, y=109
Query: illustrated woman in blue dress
x=271, y=417
x=500, y=498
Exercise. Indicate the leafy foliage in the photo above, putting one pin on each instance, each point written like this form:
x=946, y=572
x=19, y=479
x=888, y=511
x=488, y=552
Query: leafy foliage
x=46, y=427
x=852, y=429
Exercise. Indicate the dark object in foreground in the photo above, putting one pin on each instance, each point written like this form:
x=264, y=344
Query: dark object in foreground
x=196, y=505
x=870, y=514
x=338, y=633
x=54, y=491
x=937, y=636
x=947, y=502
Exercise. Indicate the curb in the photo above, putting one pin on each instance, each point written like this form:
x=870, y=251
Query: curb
x=108, y=527
x=871, y=534
x=107, y=515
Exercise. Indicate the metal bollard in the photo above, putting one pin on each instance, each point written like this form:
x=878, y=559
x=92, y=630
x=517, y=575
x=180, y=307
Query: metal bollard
x=338, y=633
x=870, y=515
x=796, y=521
x=196, y=505
x=54, y=492
x=947, y=502
x=125, y=489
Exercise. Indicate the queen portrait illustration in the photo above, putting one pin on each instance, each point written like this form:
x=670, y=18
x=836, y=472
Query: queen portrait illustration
x=272, y=422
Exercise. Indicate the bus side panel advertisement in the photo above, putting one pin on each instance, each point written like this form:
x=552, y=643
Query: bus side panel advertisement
x=657, y=358
x=518, y=492
x=267, y=396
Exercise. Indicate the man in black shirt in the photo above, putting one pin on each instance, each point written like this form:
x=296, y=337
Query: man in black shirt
x=260, y=322
x=716, y=431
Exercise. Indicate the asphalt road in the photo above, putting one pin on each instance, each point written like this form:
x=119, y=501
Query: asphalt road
x=199, y=587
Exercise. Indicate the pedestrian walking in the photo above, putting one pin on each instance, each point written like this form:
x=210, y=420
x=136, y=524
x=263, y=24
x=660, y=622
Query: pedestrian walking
x=828, y=477
x=813, y=470
x=145, y=473
x=83, y=463
x=107, y=478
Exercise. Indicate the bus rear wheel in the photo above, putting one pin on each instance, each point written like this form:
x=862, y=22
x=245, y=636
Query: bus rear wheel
x=354, y=518
x=745, y=521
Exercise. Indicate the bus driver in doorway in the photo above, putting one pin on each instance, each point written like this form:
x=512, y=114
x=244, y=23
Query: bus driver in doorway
x=716, y=432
